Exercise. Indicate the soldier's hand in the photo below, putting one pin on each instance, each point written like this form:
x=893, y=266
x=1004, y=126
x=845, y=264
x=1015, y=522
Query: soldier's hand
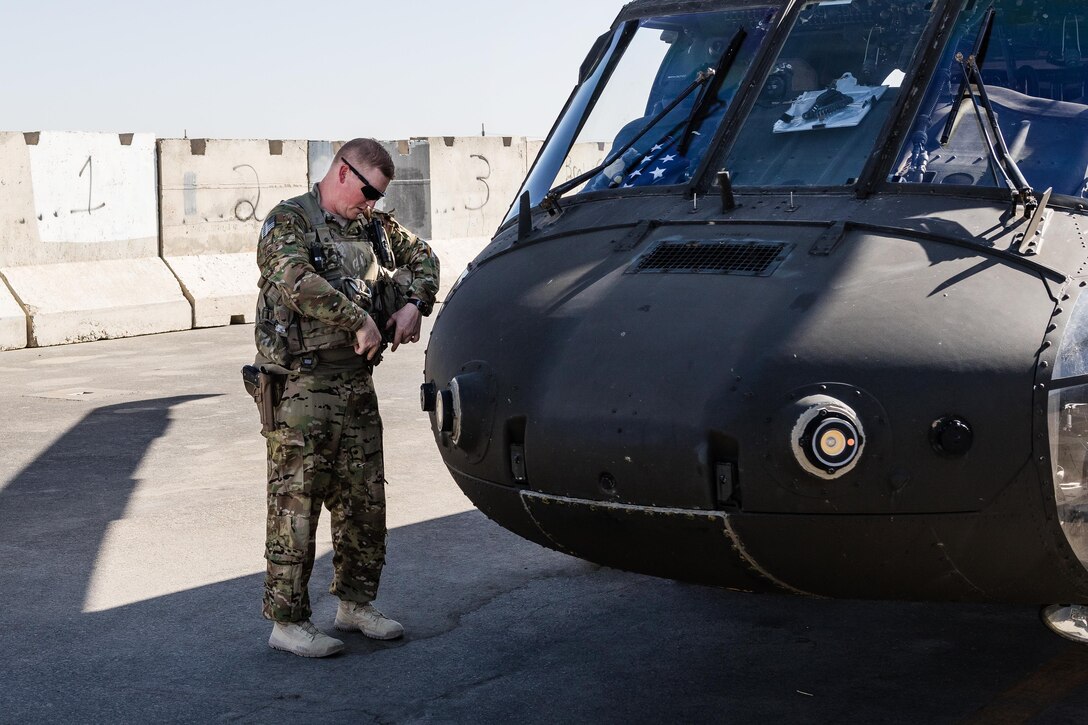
x=368, y=339
x=408, y=321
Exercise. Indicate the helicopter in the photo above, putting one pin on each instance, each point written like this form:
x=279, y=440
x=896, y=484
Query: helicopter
x=816, y=322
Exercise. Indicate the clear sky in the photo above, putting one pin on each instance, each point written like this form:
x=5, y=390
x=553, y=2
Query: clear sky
x=323, y=69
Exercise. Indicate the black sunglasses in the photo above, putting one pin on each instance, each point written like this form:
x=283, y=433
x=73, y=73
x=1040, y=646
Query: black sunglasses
x=369, y=192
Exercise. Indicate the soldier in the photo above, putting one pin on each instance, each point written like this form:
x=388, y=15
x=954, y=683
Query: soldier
x=338, y=281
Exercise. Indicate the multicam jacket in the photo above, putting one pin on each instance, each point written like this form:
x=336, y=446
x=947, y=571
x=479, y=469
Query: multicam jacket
x=317, y=273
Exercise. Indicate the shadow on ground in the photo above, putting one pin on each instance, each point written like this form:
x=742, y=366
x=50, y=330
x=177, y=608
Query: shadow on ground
x=500, y=630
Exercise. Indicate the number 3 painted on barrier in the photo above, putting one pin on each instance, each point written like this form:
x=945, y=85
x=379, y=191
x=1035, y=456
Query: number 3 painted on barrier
x=482, y=180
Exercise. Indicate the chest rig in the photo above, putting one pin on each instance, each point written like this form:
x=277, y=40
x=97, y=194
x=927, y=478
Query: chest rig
x=350, y=264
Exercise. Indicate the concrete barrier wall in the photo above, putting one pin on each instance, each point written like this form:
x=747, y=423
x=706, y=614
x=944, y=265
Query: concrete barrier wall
x=214, y=194
x=452, y=192
x=16, y=231
x=409, y=197
x=409, y=194
x=79, y=237
x=107, y=235
x=455, y=191
x=319, y=158
x=474, y=180
x=77, y=197
x=13, y=332
x=582, y=158
x=472, y=183
x=84, y=301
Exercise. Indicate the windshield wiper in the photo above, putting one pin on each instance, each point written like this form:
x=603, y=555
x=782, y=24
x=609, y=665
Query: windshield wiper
x=994, y=139
x=982, y=41
x=974, y=87
x=550, y=202
x=1034, y=208
x=699, y=112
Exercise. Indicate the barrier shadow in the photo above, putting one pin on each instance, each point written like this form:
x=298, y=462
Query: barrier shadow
x=56, y=511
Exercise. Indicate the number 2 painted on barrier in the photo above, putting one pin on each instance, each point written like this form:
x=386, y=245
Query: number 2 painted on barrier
x=239, y=209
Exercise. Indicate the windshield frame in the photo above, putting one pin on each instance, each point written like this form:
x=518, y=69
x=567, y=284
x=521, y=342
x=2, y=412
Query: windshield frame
x=706, y=181
x=609, y=54
x=876, y=175
x=873, y=176
x=628, y=21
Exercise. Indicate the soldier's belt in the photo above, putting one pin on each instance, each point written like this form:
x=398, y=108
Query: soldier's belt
x=334, y=360
x=337, y=355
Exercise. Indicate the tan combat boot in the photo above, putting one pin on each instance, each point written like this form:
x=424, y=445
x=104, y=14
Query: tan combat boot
x=368, y=620
x=303, y=639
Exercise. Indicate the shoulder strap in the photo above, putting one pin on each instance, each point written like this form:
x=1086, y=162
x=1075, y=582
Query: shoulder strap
x=314, y=215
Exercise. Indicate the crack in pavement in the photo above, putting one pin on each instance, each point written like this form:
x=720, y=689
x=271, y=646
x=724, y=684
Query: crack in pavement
x=457, y=617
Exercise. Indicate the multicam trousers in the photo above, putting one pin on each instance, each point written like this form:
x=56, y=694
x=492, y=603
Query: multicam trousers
x=326, y=448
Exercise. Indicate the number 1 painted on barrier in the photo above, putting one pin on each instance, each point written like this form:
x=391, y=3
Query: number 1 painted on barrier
x=89, y=168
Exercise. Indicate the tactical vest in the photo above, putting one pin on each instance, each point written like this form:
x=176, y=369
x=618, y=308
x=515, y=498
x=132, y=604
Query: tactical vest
x=349, y=265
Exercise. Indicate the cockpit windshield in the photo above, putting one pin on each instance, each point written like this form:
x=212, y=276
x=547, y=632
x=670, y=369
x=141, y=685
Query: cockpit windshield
x=644, y=68
x=832, y=86
x=1035, y=73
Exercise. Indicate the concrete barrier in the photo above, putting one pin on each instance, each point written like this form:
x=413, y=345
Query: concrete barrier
x=455, y=191
x=582, y=158
x=16, y=199
x=474, y=183
x=409, y=194
x=222, y=288
x=84, y=301
x=96, y=240
x=214, y=194
x=452, y=192
x=473, y=180
x=12, y=321
x=79, y=237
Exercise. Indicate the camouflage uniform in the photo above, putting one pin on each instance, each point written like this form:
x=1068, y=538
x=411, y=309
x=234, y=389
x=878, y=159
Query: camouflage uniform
x=326, y=447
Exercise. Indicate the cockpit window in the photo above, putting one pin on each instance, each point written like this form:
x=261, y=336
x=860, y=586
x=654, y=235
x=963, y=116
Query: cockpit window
x=649, y=65
x=828, y=94
x=1034, y=69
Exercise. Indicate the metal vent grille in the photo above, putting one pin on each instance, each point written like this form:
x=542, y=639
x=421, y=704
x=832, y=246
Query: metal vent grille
x=744, y=257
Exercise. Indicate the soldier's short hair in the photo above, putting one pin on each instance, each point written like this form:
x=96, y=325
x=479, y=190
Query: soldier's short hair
x=367, y=152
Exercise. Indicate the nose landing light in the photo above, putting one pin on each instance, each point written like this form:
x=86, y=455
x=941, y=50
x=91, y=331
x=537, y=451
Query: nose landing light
x=831, y=442
x=463, y=411
x=827, y=438
x=445, y=410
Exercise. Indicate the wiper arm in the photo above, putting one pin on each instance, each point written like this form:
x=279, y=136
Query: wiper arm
x=710, y=90
x=982, y=41
x=550, y=202
x=998, y=149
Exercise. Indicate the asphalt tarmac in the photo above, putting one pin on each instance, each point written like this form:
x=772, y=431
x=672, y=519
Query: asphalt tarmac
x=131, y=536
